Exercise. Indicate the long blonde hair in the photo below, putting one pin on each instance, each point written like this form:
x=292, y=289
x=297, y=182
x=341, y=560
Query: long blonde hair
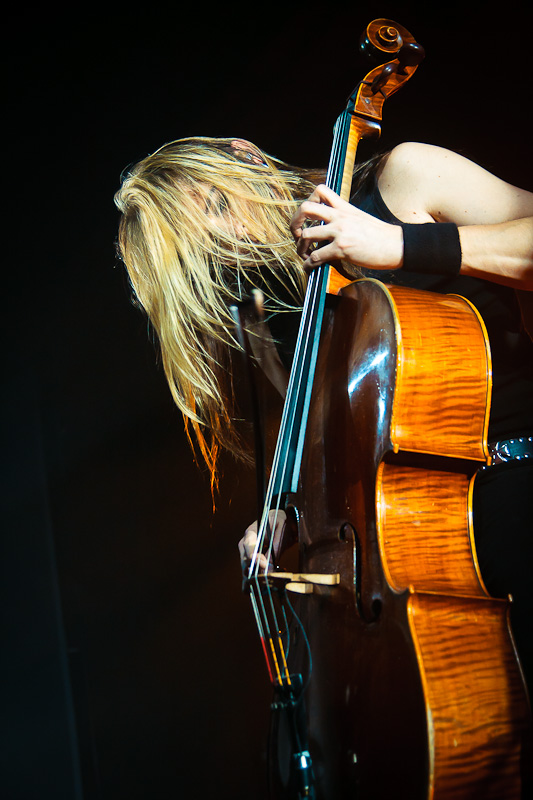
x=203, y=222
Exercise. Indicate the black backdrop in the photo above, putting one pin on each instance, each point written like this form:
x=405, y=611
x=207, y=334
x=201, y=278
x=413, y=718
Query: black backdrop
x=132, y=665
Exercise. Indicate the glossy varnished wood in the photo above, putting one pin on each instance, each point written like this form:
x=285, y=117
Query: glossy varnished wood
x=443, y=379
x=472, y=685
x=424, y=530
x=474, y=696
x=415, y=691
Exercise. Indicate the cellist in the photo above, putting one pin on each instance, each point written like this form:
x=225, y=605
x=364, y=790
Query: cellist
x=204, y=221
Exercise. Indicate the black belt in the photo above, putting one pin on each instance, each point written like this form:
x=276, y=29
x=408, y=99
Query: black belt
x=517, y=449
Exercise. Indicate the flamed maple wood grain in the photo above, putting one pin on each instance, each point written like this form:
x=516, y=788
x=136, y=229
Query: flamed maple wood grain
x=475, y=701
x=443, y=382
x=415, y=691
x=424, y=531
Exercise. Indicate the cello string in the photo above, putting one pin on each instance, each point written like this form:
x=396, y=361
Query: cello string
x=302, y=348
x=282, y=436
x=294, y=384
x=254, y=568
x=262, y=634
x=306, y=331
x=302, y=345
x=312, y=312
x=340, y=138
x=272, y=642
x=295, y=381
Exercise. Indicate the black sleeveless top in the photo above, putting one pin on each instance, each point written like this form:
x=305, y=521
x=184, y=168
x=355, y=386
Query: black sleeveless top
x=511, y=348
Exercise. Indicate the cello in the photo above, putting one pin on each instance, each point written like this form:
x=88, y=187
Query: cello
x=394, y=671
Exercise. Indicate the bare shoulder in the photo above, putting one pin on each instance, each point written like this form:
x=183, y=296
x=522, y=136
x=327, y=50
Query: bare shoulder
x=422, y=182
x=411, y=158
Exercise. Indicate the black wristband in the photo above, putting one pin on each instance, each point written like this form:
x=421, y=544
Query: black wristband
x=433, y=247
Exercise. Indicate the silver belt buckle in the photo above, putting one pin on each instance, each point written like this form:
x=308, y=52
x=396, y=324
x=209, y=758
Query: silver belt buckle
x=517, y=449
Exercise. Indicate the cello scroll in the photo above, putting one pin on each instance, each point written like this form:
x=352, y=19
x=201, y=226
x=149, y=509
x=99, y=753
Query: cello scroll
x=383, y=40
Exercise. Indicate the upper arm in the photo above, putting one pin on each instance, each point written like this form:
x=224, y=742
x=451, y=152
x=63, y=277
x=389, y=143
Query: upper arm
x=421, y=183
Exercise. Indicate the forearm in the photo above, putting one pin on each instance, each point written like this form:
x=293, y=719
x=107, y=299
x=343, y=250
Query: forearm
x=501, y=253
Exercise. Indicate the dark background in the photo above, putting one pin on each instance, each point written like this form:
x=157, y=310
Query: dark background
x=130, y=663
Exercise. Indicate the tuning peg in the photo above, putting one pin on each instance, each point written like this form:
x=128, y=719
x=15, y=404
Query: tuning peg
x=381, y=79
x=410, y=55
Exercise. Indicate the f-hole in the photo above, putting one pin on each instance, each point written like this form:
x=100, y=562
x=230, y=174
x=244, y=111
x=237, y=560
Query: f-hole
x=349, y=535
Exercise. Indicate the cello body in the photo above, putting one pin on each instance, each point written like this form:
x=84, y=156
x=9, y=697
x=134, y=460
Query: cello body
x=415, y=690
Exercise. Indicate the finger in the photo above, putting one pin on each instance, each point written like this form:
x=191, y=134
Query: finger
x=277, y=518
x=317, y=233
x=323, y=255
x=313, y=237
x=249, y=542
x=317, y=212
x=305, y=246
x=323, y=194
x=247, y=545
x=278, y=529
x=246, y=553
x=320, y=194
